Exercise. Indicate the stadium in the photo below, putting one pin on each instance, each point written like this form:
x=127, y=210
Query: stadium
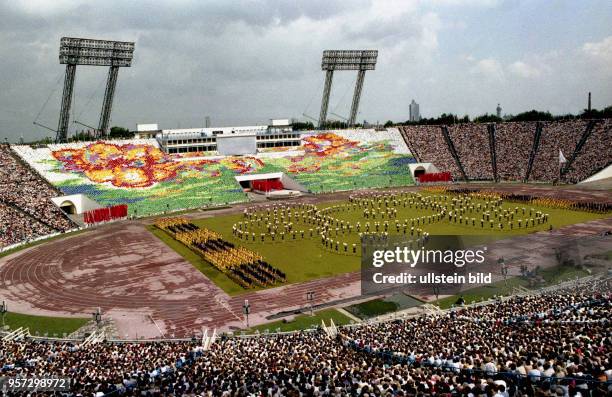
x=235, y=260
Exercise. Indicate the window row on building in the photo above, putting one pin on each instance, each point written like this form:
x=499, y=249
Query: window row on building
x=261, y=145
x=277, y=136
x=191, y=141
x=191, y=149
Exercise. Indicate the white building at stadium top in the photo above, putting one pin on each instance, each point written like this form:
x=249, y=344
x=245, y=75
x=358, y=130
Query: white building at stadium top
x=279, y=133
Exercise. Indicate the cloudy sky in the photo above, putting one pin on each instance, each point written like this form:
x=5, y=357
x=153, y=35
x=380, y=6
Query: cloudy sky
x=243, y=62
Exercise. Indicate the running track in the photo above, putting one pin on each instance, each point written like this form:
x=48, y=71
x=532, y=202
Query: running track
x=142, y=284
x=150, y=291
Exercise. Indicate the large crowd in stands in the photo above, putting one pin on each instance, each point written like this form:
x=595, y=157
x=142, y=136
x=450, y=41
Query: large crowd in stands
x=514, y=142
x=26, y=211
x=471, y=142
x=595, y=154
x=429, y=142
x=551, y=344
x=15, y=226
x=557, y=137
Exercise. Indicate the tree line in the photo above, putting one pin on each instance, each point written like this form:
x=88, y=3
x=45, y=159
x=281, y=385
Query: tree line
x=531, y=115
x=87, y=135
x=450, y=118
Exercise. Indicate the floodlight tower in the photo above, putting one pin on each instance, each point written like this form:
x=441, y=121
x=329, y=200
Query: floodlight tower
x=77, y=51
x=360, y=60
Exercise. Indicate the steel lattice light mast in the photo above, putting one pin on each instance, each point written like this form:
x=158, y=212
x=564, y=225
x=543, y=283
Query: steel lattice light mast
x=77, y=51
x=360, y=60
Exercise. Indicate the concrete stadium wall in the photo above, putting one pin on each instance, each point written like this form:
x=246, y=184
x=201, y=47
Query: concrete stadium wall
x=603, y=174
x=81, y=202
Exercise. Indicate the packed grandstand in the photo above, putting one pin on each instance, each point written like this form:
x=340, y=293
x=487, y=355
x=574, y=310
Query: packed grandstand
x=138, y=173
x=551, y=343
x=515, y=151
x=26, y=211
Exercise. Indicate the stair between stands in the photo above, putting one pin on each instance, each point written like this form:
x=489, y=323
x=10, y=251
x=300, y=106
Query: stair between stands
x=413, y=151
x=534, y=149
x=585, y=135
x=491, y=130
x=451, y=147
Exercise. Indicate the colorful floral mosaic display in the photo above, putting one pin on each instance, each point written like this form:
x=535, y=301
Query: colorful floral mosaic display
x=150, y=181
x=126, y=166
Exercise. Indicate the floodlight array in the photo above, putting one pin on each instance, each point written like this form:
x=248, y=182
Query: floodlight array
x=349, y=59
x=76, y=51
x=97, y=44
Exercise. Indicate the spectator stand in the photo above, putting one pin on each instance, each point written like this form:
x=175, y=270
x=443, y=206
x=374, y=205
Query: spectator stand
x=26, y=212
x=374, y=356
x=593, y=152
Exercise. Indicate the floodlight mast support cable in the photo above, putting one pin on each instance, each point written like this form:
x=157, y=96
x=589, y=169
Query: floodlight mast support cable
x=329, y=75
x=360, y=60
x=79, y=51
x=356, y=97
x=107, y=104
x=62, y=125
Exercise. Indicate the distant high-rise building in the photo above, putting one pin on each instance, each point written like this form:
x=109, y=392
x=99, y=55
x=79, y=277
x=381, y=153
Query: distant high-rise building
x=207, y=122
x=498, y=111
x=415, y=115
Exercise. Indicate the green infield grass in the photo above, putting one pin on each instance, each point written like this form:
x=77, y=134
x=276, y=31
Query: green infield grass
x=306, y=259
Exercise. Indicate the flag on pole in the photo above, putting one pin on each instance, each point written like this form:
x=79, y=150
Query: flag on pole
x=562, y=158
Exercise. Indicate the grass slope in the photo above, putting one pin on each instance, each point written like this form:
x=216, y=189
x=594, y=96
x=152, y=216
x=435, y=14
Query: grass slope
x=304, y=321
x=53, y=326
x=373, y=308
x=551, y=276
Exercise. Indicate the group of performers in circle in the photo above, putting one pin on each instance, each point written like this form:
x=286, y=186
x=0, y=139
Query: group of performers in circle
x=381, y=213
x=279, y=223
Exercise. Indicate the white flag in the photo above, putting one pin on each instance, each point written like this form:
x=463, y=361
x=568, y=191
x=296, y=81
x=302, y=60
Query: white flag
x=562, y=158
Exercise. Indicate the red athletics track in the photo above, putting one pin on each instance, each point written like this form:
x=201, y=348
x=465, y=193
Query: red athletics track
x=135, y=278
x=151, y=291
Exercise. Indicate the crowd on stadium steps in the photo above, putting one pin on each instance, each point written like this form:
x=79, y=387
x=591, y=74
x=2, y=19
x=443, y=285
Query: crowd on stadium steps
x=561, y=136
x=26, y=211
x=549, y=345
x=15, y=226
x=471, y=142
x=595, y=154
x=429, y=142
x=513, y=144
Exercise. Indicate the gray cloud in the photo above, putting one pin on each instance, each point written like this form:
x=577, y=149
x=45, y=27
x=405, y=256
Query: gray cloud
x=243, y=62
